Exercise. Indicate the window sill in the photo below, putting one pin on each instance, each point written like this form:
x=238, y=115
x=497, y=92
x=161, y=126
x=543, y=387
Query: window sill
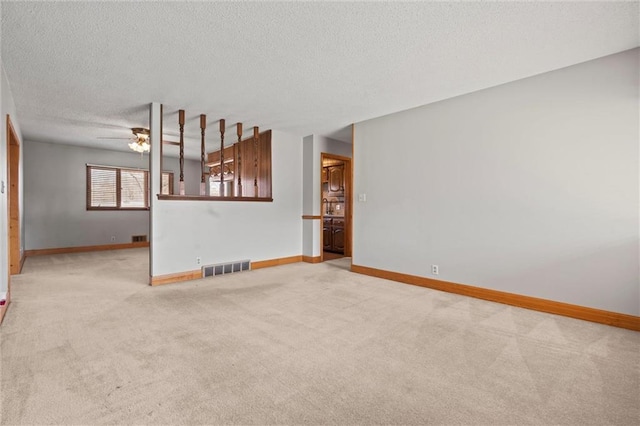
x=207, y=198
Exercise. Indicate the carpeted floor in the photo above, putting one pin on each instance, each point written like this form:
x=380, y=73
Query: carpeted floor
x=86, y=341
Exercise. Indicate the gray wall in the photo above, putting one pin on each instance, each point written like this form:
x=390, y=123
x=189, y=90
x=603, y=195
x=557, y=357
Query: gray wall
x=225, y=231
x=530, y=187
x=55, y=200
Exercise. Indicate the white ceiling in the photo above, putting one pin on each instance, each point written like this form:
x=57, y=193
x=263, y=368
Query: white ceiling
x=81, y=70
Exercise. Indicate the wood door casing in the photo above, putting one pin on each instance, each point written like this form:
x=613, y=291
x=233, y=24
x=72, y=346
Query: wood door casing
x=345, y=234
x=13, y=207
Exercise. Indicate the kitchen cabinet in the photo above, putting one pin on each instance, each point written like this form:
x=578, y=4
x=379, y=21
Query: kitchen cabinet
x=333, y=235
x=327, y=242
x=336, y=180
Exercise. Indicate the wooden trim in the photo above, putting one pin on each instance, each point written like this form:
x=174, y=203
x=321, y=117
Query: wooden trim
x=275, y=262
x=22, y=259
x=81, y=249
x=352, y=202
x=14, y=241
x=310, y=216
x=207, y=198
x=312, y=259
x=5, y=307
x=174, y=278
x=334, y=157
x=3, y=310
x=197, y=274
x=348, y=201
x=615, y=319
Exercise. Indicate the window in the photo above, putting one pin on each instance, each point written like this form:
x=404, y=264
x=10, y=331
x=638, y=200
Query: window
x=116, y=188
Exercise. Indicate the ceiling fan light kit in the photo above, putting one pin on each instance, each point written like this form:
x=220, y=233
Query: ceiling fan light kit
x=141, y=142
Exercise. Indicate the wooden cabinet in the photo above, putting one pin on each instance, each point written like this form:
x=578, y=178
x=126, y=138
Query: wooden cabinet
x=325, y=174
x=333, y=235
x=338, y=240
x=327, y=242
x=336, y=180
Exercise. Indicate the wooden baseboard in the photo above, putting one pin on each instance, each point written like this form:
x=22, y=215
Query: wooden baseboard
x=197, y=274
x=3, y=308
x=312, y=259
x=22, y=259
x=174, y=278
x=81, y=249
x=275, y=262
x=311, y=216
x=615, y=319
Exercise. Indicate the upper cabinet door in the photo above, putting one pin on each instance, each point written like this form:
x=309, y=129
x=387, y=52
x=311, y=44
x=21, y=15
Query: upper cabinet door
x=336, y=180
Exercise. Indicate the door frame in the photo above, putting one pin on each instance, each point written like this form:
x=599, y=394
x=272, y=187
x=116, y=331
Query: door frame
x=348, y=194
x=13, y=200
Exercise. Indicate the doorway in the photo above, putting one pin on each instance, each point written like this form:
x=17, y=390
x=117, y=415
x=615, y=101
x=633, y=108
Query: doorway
x=335, y=192
x=13, y=198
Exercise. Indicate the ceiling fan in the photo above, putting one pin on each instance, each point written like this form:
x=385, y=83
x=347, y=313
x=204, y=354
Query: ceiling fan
x=140, y=140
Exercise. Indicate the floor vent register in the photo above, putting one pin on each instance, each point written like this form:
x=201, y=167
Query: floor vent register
x=226, y=268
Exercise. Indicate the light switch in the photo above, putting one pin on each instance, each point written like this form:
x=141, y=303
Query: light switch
x=362, y=198
x=2, y=189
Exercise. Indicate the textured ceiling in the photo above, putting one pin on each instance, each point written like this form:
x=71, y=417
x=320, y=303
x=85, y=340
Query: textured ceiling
x=81, y=70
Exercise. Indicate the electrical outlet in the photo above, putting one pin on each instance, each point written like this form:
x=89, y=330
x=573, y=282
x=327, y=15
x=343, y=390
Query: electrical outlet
x=435, y=270
x=113, y=238
x=198, y=260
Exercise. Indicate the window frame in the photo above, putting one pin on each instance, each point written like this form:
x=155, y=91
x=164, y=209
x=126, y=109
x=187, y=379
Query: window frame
x=118, y=170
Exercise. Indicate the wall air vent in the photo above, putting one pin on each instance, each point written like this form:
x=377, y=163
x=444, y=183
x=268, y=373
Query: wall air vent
x=138, y=238
x=226, y=268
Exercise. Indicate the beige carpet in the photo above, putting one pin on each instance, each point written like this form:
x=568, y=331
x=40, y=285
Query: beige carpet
x=86, y=341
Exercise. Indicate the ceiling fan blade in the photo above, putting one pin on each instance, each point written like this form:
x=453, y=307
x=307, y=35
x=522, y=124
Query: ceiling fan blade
x=171, y=143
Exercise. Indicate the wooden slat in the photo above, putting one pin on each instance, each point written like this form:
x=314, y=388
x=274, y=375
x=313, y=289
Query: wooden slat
x=615, y=319
x=181, y=125
x=213, y=158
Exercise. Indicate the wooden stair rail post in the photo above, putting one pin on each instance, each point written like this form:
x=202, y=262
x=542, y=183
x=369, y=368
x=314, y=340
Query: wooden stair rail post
x=181, y=124
x=256, y=138
x=239, y=132
x=203, y=126
x=222, y=157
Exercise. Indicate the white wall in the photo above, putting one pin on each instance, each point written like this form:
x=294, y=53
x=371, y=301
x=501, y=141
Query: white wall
x=530, y=187
x=7, y=107
x=313, y=147
x=223, y=231
x=55, y=200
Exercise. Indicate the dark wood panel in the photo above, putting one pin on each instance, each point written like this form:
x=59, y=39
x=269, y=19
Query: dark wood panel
x=338, y=239
x=336, y=180
x=327, y=243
